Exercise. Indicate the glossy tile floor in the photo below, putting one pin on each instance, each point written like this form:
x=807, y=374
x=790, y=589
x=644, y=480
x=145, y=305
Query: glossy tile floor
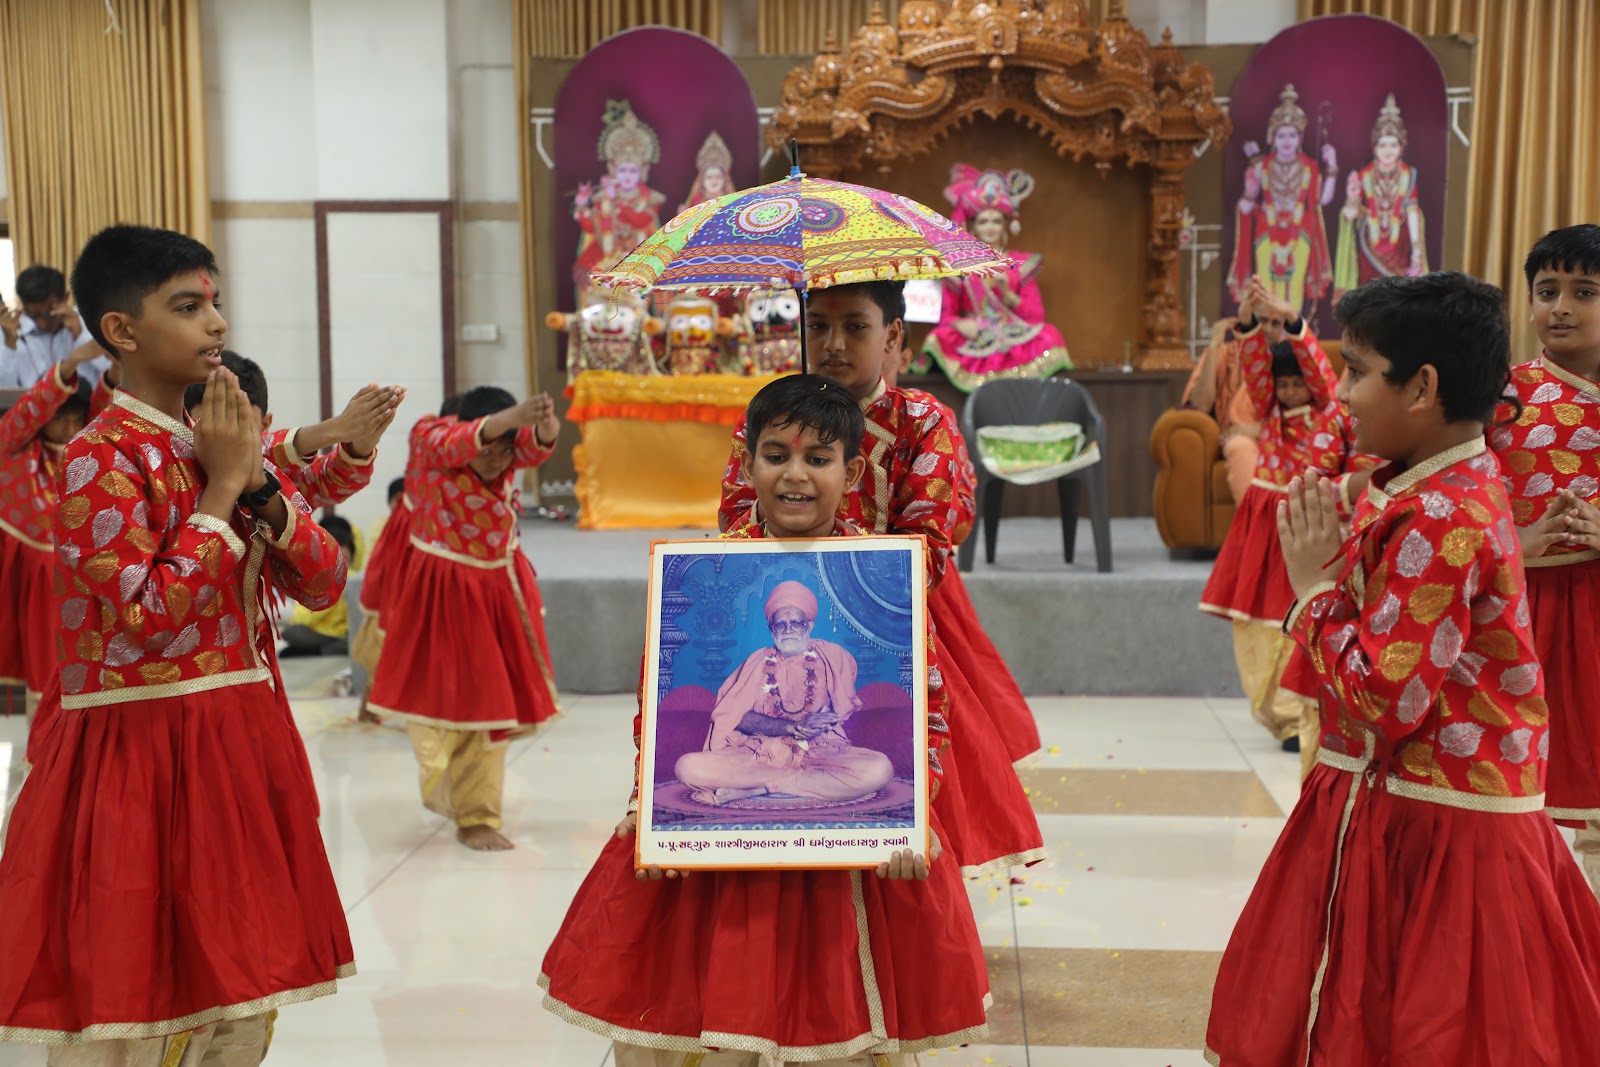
x=1158, y=813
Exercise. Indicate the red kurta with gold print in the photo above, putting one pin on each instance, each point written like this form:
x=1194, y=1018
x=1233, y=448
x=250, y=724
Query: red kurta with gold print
x=155, y=598
x=28, y=466
x=325, y=480
x=919, y=477
x=1554, y=446
x=1316, y=437
x=462, y=610
x=1425, y=648
x=1418, y=867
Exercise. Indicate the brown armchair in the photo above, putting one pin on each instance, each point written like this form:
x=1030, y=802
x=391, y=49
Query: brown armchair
x=1193, y=505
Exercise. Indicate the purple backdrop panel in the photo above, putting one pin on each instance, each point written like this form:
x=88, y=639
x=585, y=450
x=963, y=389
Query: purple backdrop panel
x=634, y=143
x=1343, y=70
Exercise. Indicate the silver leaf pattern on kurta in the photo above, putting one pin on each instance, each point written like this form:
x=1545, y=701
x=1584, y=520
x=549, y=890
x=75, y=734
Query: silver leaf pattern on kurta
x=73, y=611
x=79, y=473
x=1461, y=739
x=105, y=526
x=131, y=579
x=121, y=651
x=187, y=641
x=1415, y=555
x=1415, y=699
x=1447, y=643
x=1520, y=680
x=1387, y=615
x=1514, y=746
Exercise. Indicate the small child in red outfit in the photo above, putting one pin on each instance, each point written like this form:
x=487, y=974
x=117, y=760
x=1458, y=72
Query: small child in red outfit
x=464, y=660
x=32, y=435
x=1303, y=428
x=819, y=967
x=164, y=882
x=1420, y=906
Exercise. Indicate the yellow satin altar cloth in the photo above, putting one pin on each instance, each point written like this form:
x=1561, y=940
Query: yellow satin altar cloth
x=654, y=448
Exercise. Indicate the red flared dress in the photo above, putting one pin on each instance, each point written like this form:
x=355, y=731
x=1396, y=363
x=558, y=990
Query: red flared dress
x=464, y=643
x=919, y=481
x=164, y=867
x=796, y=965
x=28, y=471
x=1249, y=581
x=1555, y=446
x=1420, y=906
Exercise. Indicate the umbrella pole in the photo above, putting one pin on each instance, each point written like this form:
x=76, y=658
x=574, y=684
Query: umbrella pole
x=805, y=298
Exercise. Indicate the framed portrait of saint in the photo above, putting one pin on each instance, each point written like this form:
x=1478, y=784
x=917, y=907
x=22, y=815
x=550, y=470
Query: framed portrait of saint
x=785, y=717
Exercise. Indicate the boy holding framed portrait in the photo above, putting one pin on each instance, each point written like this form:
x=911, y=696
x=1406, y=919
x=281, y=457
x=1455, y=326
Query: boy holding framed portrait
x=763, y=951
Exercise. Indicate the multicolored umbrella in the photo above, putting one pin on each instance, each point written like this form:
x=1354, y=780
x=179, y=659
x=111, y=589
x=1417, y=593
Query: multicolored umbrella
x=801, y=233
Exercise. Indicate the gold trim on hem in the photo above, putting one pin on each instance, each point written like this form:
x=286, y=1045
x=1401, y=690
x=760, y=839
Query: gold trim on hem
x=1573, y=814
x=457, y=557
x=1302, y=603
x=1005, y=863
x=533, y=641
x=18, y=535
x=758, y=1045
x=869, y=969
x=445, y=724
x=181, y=688
x=1271, y=487
x=1237, y=616
x=1433, y=794
x=1213, y=1058
x=1562, y=559
x=169, y=1027
x=1327, y=928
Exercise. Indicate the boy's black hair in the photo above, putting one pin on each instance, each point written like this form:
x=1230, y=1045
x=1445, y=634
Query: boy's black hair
x=340, y=529
x=484, y=400
x=1571, y=248
x=251, y=379
x=77, y=401
x=807, y=401
x=451, y=405
x=121, y=265
x=1285, y=364
x=396, y=487
x=39, y=283
x=1448, y=320
x=889, y=296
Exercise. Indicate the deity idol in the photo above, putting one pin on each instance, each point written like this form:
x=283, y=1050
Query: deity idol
x=625, y=210
x=1380, y=228
x=1279, y=235
x=713, y=174
x=994, y=327
x=608, y=334
x=693, y=333
x=769, y=332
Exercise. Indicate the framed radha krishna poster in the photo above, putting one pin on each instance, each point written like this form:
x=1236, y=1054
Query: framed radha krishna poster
x=785, y=713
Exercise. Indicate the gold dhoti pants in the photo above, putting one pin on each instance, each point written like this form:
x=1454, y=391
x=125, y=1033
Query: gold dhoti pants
x=367, y=646
x=232, y=1043
x=1587, y=845
x=1262, y=652
x=637, y=1056
x=462, y=775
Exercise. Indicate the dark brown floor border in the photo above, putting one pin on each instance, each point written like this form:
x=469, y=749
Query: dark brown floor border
x=446, y=211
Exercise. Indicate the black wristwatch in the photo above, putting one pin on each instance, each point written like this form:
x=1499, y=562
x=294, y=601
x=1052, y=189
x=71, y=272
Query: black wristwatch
x=263, y=496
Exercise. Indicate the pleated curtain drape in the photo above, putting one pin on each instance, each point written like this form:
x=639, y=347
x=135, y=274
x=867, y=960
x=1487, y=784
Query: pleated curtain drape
x=1535, y=124
x=104, y=104
x=572, y=27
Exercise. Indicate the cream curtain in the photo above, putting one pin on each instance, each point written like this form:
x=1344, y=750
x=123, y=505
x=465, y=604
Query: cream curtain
x=1535, y=123
x=105, y=121
x=784, y=27
x=572, y=27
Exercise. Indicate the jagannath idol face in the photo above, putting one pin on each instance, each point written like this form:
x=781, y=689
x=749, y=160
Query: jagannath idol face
x=1286, y=142
x=791, y=631
x=773, y=314
x=694, y=327
x=603, y=317
x=1387, y=151
x=628, y=175
x=989, y=226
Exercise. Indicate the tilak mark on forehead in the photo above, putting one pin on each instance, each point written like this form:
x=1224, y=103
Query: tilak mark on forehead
x=206, y=286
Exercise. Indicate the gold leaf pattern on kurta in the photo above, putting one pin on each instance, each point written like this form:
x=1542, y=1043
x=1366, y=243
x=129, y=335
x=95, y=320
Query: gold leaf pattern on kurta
x=451, y=507
x=29, y=467
x=324, y=480
x=149, y=568
x=1320, y=436
x=1555, y=445
x=1403, y=691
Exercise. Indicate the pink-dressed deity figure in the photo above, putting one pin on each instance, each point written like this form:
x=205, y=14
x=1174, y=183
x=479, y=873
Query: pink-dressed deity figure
x=778, y=723
x=713, y=172
x=1381, y=225
x=624, y=210
x=1279, y=236
x=994, y=327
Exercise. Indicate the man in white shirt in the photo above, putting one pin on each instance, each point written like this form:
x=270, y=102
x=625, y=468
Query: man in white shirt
x=43, y=332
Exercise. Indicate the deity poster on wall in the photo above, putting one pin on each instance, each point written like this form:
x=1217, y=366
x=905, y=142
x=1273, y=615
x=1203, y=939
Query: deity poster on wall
x=1336, y=171
x=648, y=120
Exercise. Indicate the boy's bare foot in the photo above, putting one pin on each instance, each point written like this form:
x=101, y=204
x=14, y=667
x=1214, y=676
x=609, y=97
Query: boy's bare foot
x=366, y=716
x=483, y=839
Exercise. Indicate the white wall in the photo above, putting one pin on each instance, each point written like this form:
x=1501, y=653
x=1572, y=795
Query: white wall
x=312, y=100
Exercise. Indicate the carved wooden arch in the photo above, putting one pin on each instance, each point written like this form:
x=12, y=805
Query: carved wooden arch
x=1096, y=92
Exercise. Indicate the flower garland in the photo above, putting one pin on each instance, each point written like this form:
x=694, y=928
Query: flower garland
x=771, y=686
